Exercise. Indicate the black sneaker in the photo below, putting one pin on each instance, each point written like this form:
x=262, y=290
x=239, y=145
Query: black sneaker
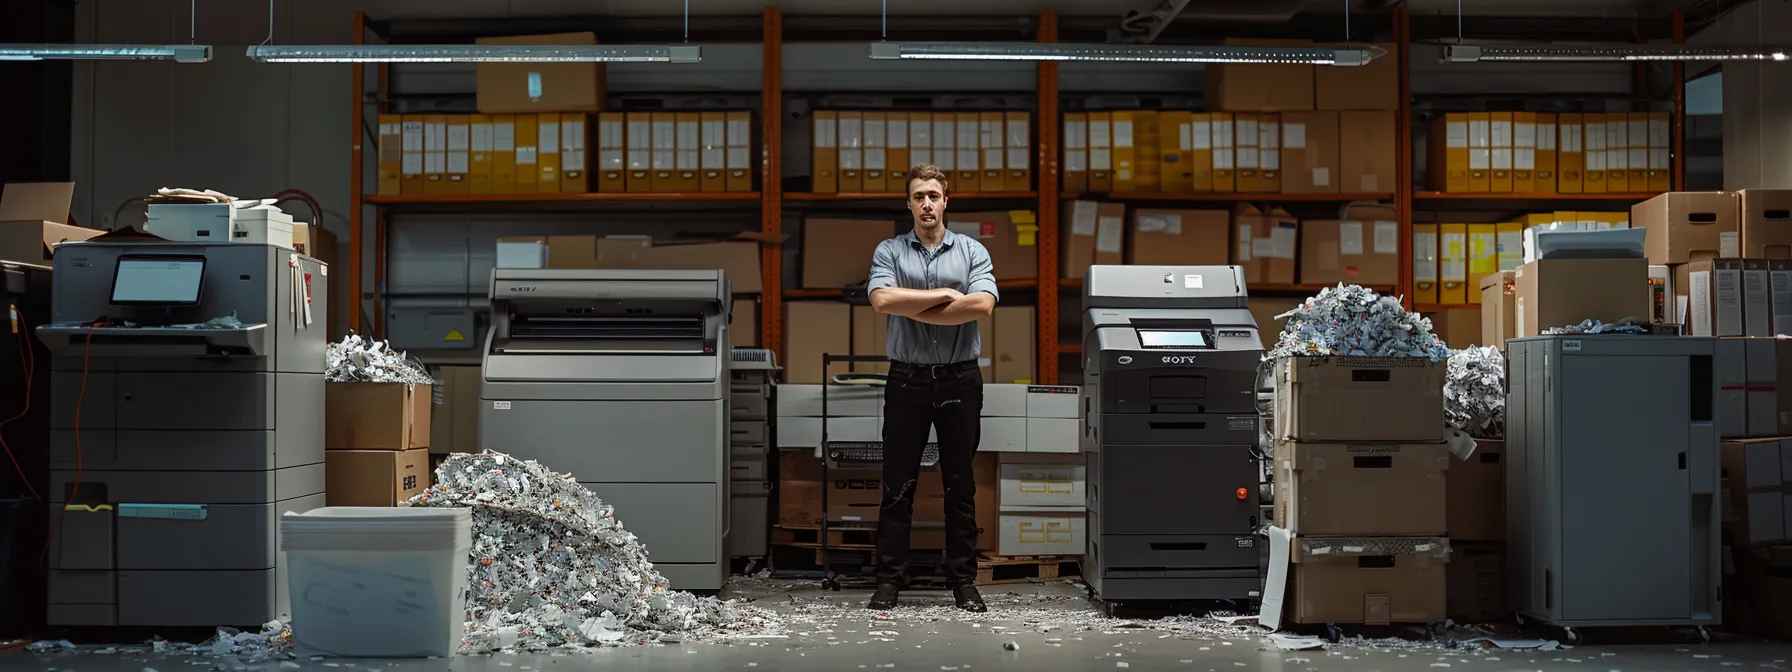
x=884, y=598
x=969, y=599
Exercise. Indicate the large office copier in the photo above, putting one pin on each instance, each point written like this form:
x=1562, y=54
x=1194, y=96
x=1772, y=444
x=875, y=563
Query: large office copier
x=621, y=378
x=187, y=383
x=1169, y=436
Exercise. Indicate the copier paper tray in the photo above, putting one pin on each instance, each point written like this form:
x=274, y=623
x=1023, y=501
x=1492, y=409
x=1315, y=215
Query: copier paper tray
x=245, y=341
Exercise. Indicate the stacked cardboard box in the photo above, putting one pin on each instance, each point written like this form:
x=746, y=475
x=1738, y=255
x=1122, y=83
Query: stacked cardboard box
x=377, y=436
x=860, y=152
x=1043, y=510
x=1725, y=258
x=1476, y=517
x=1756, y=500
x=1360, y=469
x=1258, y=152
x=738, y=258
x=1534, y=153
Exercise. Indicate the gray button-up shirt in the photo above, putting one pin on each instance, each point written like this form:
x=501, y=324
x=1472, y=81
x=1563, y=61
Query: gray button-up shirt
x=961, y=263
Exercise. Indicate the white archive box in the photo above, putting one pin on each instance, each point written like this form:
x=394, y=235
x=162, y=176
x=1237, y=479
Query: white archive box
x=804, y=401
x=1053, y=435
x=1029, y=481
x=220, y=223
x=1053, y=401
x=1004, y=400
x=522, y=253
x=1042, y=531
x=1002, y=435
x=801, y=432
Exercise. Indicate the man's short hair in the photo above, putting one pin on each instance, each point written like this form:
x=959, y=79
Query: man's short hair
x=928, y=171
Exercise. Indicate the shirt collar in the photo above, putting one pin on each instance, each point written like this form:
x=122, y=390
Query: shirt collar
x=946, y=241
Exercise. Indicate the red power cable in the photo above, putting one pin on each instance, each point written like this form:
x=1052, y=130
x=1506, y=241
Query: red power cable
x=80, y=399
x=30, y=368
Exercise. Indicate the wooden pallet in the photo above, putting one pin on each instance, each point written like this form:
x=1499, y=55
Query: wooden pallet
x=995, y=570
x=838, y=537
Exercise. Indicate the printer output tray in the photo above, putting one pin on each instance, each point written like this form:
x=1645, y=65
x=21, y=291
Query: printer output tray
x=245, y=341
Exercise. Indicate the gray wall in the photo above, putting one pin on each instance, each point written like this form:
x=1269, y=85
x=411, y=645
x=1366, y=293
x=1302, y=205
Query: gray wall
x=1757, y=127
x=254, y=129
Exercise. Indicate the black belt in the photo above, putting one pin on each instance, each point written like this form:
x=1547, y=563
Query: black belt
x=930, y=371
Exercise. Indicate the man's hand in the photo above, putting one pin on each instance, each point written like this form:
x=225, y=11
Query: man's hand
x=909, y=302
x=966, y=308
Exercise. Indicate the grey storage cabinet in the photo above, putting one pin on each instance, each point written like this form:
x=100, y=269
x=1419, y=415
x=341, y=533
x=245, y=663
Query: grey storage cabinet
x=1612, y=480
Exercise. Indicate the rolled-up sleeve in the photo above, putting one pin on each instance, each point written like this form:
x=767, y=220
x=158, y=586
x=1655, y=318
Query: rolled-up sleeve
x=883, y=268
x=983, y=273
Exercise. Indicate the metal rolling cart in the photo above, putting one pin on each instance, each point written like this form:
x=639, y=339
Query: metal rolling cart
x=853, y=455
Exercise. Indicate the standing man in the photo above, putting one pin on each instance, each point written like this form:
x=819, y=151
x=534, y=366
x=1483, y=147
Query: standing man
x=934, y=285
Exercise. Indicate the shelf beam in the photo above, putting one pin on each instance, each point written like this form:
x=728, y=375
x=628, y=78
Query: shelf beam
x=1046, y=147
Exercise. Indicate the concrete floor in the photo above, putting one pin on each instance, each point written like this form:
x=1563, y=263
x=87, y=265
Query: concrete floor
x=1051, y=626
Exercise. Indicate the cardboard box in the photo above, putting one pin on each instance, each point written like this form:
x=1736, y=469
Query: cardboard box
x=1459, y=327
x=454, y=411
x=1475, y=581
x=1756, y=487
x=1310, y=153
x=572, y=252
x=1557, y=292
x=743, y=332
x=1042, y=532
x=1476, y=509
x=1338, y=489
x=377, y=416
x=540, y=87
x=1499, y=312
x=1265, y=245
x=374, y=477
x=1766, y=223
x=854, y=496
x=1388, y=581
x=1352, y=399
x=811, y=329
x=1010, y=236
x=622, y=251
x=1260, y=88
x=1092, y=233
x=1031, y=481
x=737, y=259
x=34, y=219
x=1179, y=237
x=1689, y=226
x=1367, y=154
x=837, y=252
x=1012, y=354
x=1363, y=250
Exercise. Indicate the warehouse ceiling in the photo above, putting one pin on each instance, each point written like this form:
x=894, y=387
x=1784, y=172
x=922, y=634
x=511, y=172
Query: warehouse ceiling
x=1210, y=9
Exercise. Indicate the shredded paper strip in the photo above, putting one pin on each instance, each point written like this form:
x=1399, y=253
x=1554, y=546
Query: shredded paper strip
x=1352, y=320
x=552, y=568
x=1475, y=392
x=362, y=360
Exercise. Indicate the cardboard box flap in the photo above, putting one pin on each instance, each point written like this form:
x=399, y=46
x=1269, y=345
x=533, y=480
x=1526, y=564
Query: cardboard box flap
x=37, y=202
x=1309, y=549
x=1505, y=278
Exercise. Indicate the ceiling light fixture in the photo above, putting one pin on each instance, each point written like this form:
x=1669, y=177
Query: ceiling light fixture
x=179, y=53
x=1464, y=53
x=1125, y=53
x=471, y=53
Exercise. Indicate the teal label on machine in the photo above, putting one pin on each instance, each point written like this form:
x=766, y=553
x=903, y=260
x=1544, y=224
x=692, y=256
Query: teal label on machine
x=163, y=511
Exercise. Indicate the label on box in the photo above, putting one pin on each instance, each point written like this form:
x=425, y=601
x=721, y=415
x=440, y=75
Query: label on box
x=1245, y=244
x=500, y=405
x=1200, y=136
x=1152, y=223
x=1350, y=238
x=1294, y=136
x=1322, y=177
x=1082, y=218
x=1284, y=237
x=1222, y=159
x=1424, y=251
x=1185, y=137
x=1387, y=237
x=1728, y=245
x=1107, y=234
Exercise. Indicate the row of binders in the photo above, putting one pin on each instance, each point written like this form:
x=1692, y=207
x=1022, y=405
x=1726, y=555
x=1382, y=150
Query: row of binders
x=870, y=152
x=548, y=153
x=1149, y=151
x=1535, y=153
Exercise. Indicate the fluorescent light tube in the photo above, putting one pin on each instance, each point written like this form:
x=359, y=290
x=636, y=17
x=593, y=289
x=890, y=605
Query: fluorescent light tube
x=1031, y=51
x=471, y=53
x=179, y=53
x=1465, y=53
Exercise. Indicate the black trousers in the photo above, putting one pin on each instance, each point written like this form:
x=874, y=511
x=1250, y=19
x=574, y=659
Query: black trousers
x=948, y=399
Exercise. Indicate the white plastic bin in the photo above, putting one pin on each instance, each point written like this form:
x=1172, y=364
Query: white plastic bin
x=377, y=582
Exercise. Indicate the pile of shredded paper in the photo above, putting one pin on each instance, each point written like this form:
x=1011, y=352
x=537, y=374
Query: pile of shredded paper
x=1352, y=320
x=1628, y=325
x=1475, y=392
x=552, y=568
x=363, y=360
